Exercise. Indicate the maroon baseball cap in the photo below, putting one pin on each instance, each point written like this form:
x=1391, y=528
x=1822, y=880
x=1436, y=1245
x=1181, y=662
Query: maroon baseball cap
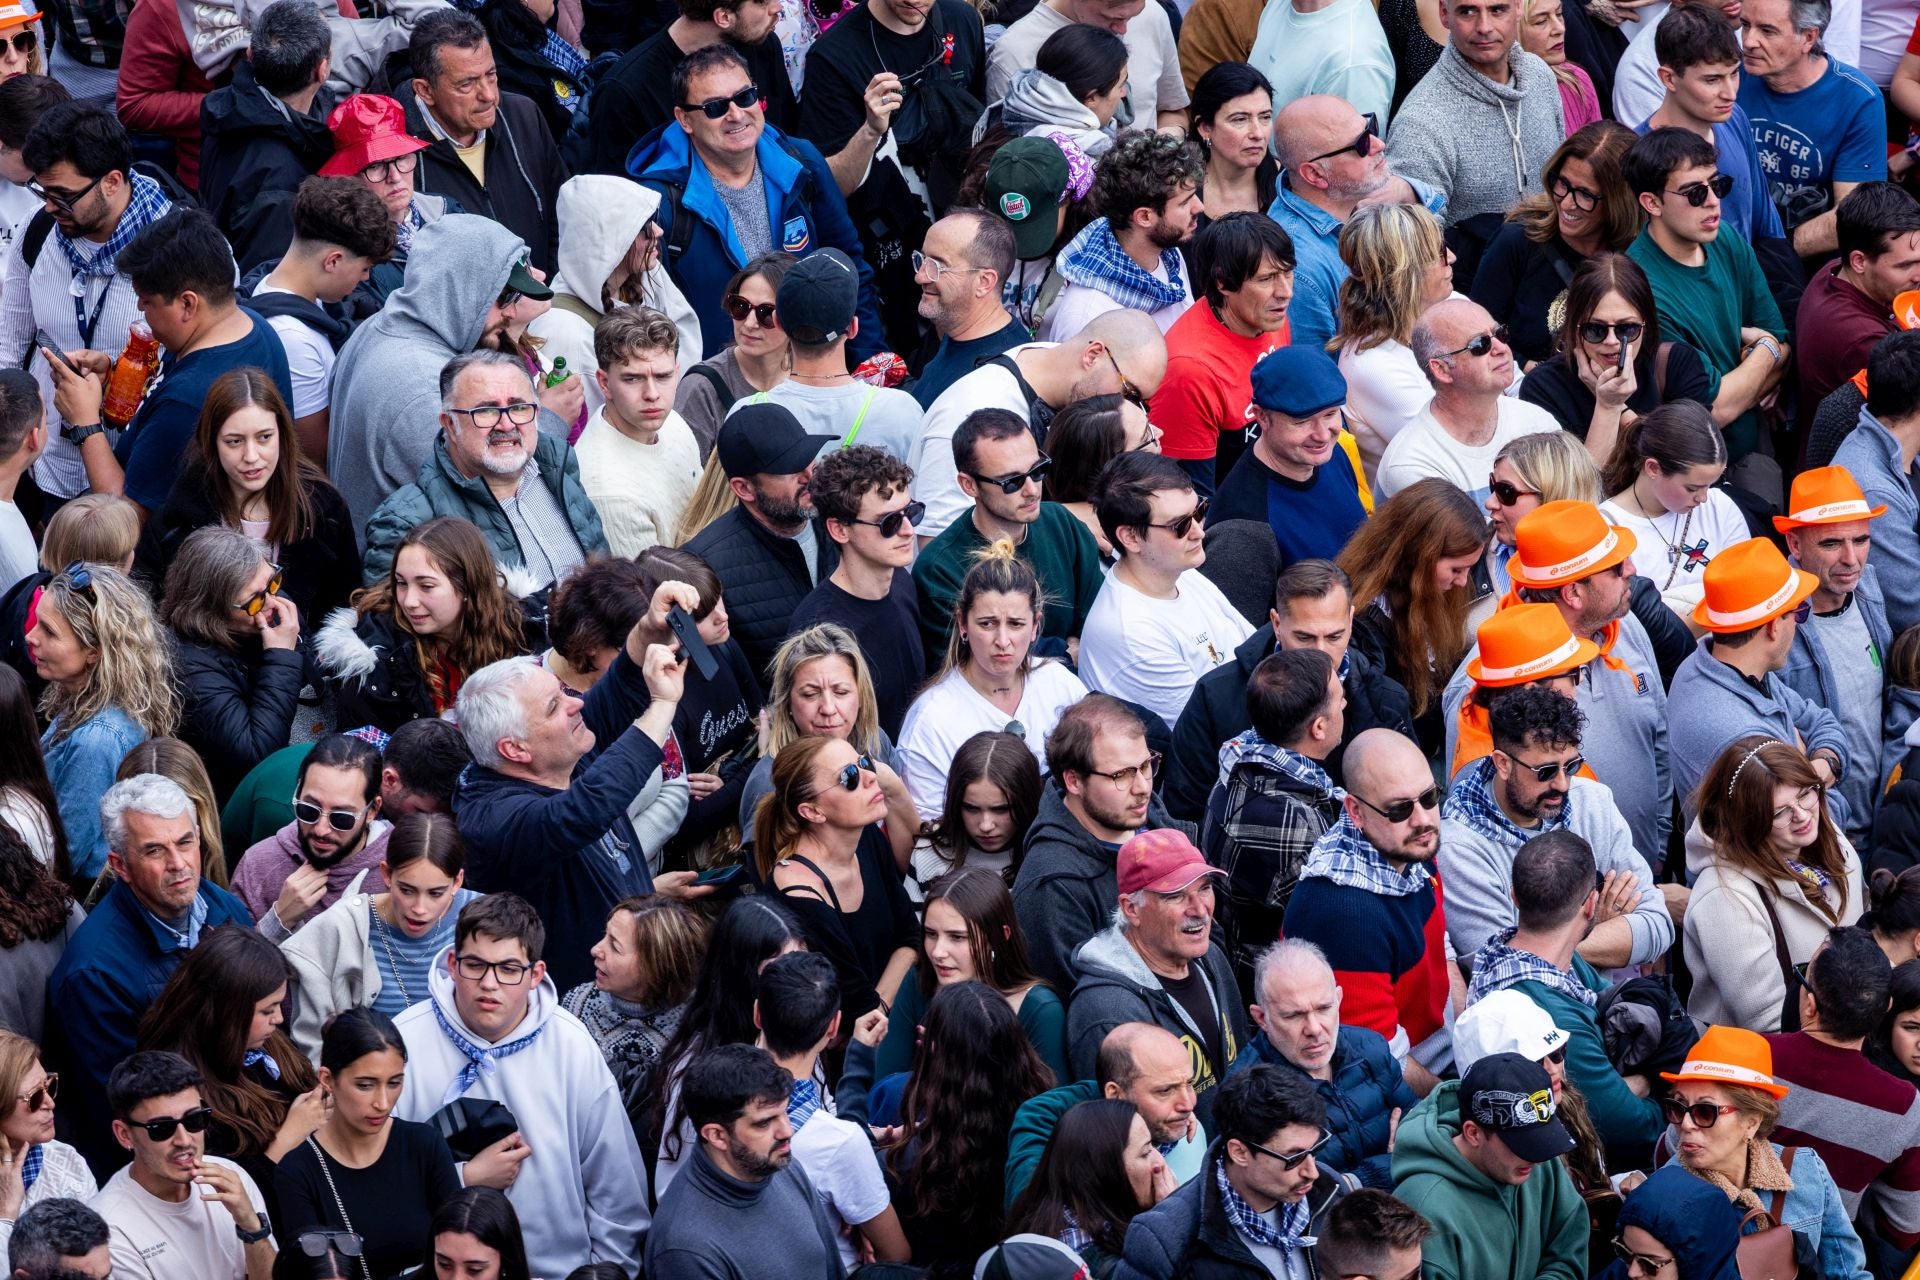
x=1163, y=861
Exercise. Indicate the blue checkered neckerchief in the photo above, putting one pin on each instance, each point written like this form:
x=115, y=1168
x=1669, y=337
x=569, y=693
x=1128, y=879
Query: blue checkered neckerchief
x=568, y=60
x=802, y=1101
x=30, y=1167
x=183, y=939
x=1471, y=801
x=1302, y=769
x=1095, y=259
x=1070, y=1233
x=146, y=206
x=262, y=1059
x=1294, y=1218
x=482, y=1059
x=1498, y=966
x=1345, y=856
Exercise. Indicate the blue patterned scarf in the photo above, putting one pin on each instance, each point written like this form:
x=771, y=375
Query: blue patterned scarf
x=1095, y=259
x=31, y=1166
x=482, y=1059
x=148, y=205
x=261, y=1058
x=1250, y=746
x=571, y=64
x=1294, y=1218
x=1472, y=801
x=1345, y=856
x=1498, y=966
x=802, y=1101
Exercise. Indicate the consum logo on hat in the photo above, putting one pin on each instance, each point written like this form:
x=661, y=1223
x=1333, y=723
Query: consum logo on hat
x=1014, y=207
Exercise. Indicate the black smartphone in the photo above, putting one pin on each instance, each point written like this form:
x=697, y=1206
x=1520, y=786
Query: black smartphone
x=1621, y=359
x=687, y=632
x=726, y=875
x=44, y=340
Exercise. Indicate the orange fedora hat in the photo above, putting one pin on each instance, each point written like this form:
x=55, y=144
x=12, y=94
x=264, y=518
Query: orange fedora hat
x=1730, y=1055
x=1748, y=584
x=1826, y=495
x=1561, y=542
x=1526, y=642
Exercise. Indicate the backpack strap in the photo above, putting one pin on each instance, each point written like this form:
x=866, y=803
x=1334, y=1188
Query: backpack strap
x=1012, y=366
x=711, y=376
x=858, y=418
x=34, y=238
x=1789, y=1006
x=576, y=306
x=1779, y=1205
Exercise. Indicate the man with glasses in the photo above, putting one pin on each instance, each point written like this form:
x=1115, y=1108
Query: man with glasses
x=492, y=1030
x=1369, y=1235
x=177, y=1213
x=1465, y=356
x=336, y=835
x=1158, y=624
x=1259, y=1202
x=962, y=268
x=1710, y=292
x=1367, y=899
x=493, y=467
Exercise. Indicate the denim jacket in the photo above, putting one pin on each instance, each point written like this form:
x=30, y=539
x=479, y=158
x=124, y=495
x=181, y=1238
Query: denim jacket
x=1814, y=1210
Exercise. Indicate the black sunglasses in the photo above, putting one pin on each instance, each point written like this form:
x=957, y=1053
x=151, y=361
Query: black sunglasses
x=1018, y=480
x=1549, y=771
x=889, y=524
x=739, y=308
x=746, y=98
x=1557, y=1057
x=317, y=1242
x=307, y=813
x=22, y=43
x=161, y=1128
x=1508, y=492
x=1294, y=1160
x=79, y=578
x=1695, y=193
x=1128, y=392
x=60, y=200
x=1703, y=1114
x=1481, y=343
x=1184, y=525
x=1401, y=810
x=1362, y=145
x=1625, y=330
x=850, y=773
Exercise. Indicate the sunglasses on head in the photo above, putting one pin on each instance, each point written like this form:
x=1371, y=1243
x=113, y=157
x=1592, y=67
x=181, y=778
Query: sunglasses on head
x=1508, y=492
x=254, y=603
x=1550, y=770
x=1018, y=480
x=889, y=524
x=746, y=98
x=317, y=1243
x=1703, y=1114
x=1481, y=343
x=850, y=773
x=1401, y=810
x=1695, y=193
x=79, y=578
x=1625, y=330
x=161, y=1128
x=1181, y=527
x=739, y=308
x=307, y=813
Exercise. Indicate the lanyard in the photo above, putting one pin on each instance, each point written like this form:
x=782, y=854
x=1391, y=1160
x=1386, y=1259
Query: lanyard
x=82, y=321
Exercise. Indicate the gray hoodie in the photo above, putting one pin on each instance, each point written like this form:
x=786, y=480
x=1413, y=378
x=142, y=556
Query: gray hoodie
x=1482, y=143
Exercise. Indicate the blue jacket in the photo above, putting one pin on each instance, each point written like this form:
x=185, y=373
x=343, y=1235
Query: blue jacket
x=1809, y=673
x=804, y=209
x=1188, y=1235
x=1814, y=1210
x=1872, y=457
x=81, y=767
x=1365, y=1090
x=1690, y=1216
x=1312, y=315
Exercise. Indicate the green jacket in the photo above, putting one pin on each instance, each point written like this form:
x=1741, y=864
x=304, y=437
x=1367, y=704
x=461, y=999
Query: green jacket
x=440, y=490
x=1629, y=1125
x=1480, y=1230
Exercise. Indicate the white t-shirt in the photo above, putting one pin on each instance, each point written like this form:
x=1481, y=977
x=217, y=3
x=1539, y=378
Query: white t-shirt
x=640, y=490
x=1885, y=26
x=951, y=711
x=1153, y=651
x=936, y=481
x=1078, y=304
x=309, y=358
x=1677, y=564
x=845, y=1173
x=891, y=418
x=1425, y=449
x=18, y=554
x=17, y=204
x=1385, y=391
x=1153, y=61
x=155, y=1239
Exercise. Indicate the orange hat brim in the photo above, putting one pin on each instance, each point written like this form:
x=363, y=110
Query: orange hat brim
x=1783, y=523
x=1623, y=550
x=1690, y=1077
x=1808, y=585
x=1586, y=652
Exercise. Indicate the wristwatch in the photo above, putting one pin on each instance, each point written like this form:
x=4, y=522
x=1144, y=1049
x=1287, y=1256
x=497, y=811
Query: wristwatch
x=74, y=435
x=255, y=1237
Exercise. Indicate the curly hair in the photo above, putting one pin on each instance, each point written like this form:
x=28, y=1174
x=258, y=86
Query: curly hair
x=842, y=480
x=34, y=904
x=1387, y=249
x=134, y=665
x=1143, y=170
x=1534, y=712
x=490, y=626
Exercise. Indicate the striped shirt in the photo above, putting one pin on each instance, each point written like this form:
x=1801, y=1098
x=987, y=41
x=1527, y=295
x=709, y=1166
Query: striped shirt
x=1864, y=1123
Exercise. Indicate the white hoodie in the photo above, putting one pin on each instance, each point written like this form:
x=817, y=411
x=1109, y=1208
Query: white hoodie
x=600, y=217
x=582, y=1194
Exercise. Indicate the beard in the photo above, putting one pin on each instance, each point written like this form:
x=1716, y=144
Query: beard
x=794, y=511
x=339, y=855
x=755, y=1165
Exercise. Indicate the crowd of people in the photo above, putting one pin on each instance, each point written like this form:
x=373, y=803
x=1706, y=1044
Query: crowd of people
x=938, y=638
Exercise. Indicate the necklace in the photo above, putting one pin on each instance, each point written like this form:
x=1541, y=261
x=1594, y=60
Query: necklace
x=1676, y=551
x=386, y=944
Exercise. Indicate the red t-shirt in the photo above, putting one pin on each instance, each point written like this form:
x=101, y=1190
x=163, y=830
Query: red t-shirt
x=1209, y=384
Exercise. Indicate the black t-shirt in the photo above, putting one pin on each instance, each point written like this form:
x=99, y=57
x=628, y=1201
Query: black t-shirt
x=1196, y=997
x=636, y=97
x=857, y=48
x=888, y=630
x=1555, y=387
x=859, y=942
x=390, y=1202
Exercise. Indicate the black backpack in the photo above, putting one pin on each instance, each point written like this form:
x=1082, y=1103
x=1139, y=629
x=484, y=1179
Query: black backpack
x=33, y=237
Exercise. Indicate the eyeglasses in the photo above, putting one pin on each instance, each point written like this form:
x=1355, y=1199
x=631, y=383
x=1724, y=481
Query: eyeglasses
x=307, y=813
x=1128, y=392
x=1583, y=199
x=381, y=170
x=739, y=308
x=60, y=199
x=161, y=1128
x=488, y=416
x=889, y=524
x=511, y=973
x=22, y=43
x=1401, y=810
x=1361, y=146
x=1148, y=439
x=1803, y=799
x=1124, y=777
x=1625, y=330
x=317, y=1243
x=1644, y=1261
x=1703, y=1114
x=41, y=1094
x=1020, y=479
x=1803, y=611
x=746, y=97
x=1183, y=526
x=1695, y=193
x=79, y=578
x=254, y=603
x=1550, y=770
x=1294, y=1160
x=1508, y=492
x=921, y=262
x=1481, y=343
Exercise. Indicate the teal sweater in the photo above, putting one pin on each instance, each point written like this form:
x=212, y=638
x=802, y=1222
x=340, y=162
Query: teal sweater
x=1042, y=1017
x=1629, y=1125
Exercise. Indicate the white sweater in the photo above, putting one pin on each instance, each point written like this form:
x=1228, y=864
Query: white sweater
x=64, y=1175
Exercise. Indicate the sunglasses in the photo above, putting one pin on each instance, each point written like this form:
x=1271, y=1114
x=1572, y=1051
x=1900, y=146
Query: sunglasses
x=1019, y=479
x=1361, y=146
x=1643, y=1261
x=1401, y=810
x=1481, y=343
x=1184, y=525
x=1558, y=1057
x=41, y=1094
x=739, y=308
x=160, y=1128
x=1128, y=392
x=850, y=773
x=318, y=1243
x=60, y=199
x=1295, y=1159
x=1508, y=492
x=1583, y=199
x=1625, y=330
x=22, y=43
x=79, y=578
x=747, y=97
x=254, y=603
x=1549, y=771
x=381, y=170
x=307, y=813
x=1703, y=1114
x=889, y=524
x=1695, y=193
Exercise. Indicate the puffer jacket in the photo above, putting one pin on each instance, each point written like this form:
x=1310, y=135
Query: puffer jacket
x=373, y=668
x=1366, y=1089
x=254, y=154
x=442, y=491
x=764, y=578
x=1188, y=1235
x=237, y=705
x=1896, y=828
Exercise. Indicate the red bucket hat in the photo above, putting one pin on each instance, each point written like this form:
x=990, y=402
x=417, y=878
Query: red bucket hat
x=367, y=128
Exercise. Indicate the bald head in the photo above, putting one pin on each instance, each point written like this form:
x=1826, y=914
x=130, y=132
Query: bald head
x=1384, y=769
x=1331, y=156
x=1439, y=340
x=1313, y=125
x=1376, y=757
x=1149, y=1067
x=1135, y=342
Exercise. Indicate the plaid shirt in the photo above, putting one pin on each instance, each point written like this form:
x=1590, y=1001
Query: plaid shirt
x=1498, y=966
x=1294, y=1218
x=549, y=544
x=1345, y=856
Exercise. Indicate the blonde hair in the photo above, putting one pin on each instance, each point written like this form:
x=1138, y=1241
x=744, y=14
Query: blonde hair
x=17, y=1056
x=998, y=569
x=95, y=528
x=134, y=667
x=1555, y=465
x=826, y=640
x=1387, y=249
x=172, y=758
x=712, y=498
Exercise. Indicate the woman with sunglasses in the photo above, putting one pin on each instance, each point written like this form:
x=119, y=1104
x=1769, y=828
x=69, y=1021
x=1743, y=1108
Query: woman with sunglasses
x=1099, y=1169
x=365, y=1171
x=1673, y=1226
x=19, y=42
x=1721, y=1111
x=1398, y=265
x=1776, y=853
x=819, y=846
x=758, y=359
x=1547, y=466
x=403, y=650
x=990, y=680
x=993, y=795
x=93, y=637
x=1663, y=478
x=247, y=471
x=236, y=647
x=34, y=1165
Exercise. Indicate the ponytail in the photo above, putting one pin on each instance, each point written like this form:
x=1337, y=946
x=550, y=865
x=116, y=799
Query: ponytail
x=1679, y=435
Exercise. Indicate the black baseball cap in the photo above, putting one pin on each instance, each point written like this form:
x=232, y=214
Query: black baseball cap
x=818, y=296
x=1506, y=1094
x=765, y=439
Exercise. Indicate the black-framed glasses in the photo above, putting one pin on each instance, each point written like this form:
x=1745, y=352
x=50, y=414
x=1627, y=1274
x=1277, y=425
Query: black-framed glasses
x=1181, y=526
x=1128, y=392
x=1625, y=330
x=1361, y=146
x=254, y=603
x=307, y=814
x=1019, y=479
x=41, y=1094
x=23, y=43
x=511, y=973
x=1144, y=770
x=889, y=524
x=1297, y=1158
x=488, y=416
x=1550, y=770
x=60, y=199
x=849, y=777
x=1401, y=810
x=739, y=308
x=1508, y=492
x=1695, y=193
x=1703, y=1114
x=381, y=170
x=1583, y=199
x=1480, y=343
x=746, y=97
x=78, y=578
x=160, y=1128
x=1645, y=1262
x=317, y=1242
x=921, y=262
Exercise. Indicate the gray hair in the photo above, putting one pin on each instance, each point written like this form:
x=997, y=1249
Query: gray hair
x=1811, y=15
x=148, y=793
x=208, y=577
x=52, y=1230
x=289, y=43
x=1282, y=954
x=489, y=708
x=1428, y=346
x=481, y=359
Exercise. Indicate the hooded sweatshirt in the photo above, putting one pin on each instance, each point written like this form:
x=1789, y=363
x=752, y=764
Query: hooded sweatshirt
x=1482, y=1228
x=1482, y=143
x=582, y=1194
x=264, y=869
x=1688, y=1215
x=1037, y=102
x=600, y=218
x=386, y=383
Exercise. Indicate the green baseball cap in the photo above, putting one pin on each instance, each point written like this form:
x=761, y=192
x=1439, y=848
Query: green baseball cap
x=1026, y=185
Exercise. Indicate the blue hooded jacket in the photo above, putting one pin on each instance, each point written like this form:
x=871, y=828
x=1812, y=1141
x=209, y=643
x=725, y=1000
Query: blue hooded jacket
x=1691, y=1217
x=805, y=211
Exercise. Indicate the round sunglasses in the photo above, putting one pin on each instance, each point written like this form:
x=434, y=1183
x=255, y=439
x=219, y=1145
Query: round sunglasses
x=739, y=308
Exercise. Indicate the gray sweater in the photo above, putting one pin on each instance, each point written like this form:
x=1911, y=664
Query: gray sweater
x=1482, y=143
x=712, y=1226
x=1872, y=456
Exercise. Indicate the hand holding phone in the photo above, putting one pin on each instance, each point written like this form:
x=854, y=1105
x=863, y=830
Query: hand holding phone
x=44, y=340
x=687, y=632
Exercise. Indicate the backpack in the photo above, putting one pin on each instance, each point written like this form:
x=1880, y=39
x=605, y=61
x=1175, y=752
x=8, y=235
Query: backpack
x=33, y=236
x=269, y=305
x=1039, y=412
